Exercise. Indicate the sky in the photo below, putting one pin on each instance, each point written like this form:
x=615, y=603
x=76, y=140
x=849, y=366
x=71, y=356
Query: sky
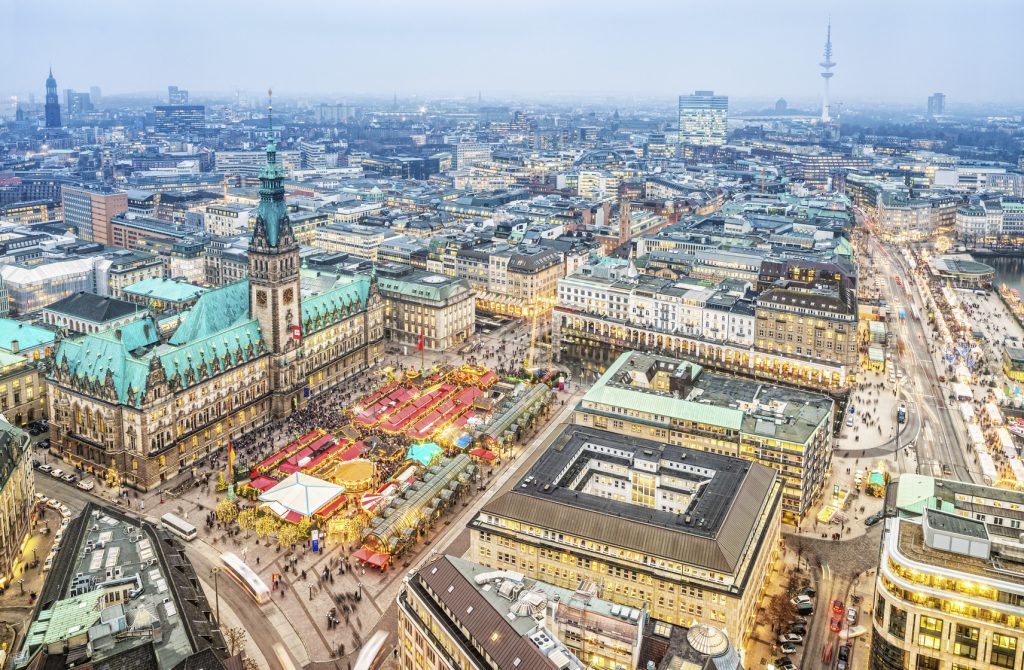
x=896, y=51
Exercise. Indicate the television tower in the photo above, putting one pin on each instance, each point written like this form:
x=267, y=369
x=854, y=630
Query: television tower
x=827, y=74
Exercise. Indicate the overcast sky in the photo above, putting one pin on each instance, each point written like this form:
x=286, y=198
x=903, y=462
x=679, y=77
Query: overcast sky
x=886, y=50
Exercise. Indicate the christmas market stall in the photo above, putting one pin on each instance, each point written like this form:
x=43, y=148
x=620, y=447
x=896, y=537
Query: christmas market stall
x=398, y=524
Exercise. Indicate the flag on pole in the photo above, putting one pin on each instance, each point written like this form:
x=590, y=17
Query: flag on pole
x=419, y=345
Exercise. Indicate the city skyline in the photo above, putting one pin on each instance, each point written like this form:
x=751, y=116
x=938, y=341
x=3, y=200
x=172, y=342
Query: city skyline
x=742, y=49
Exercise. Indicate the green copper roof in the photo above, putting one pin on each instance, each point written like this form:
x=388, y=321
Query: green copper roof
x=272, y=212
x=640, y=400
x=324, y=309
x=167, y=290
x=97, y=357
x=215, y=335
x=25, y=334
x=216, y=310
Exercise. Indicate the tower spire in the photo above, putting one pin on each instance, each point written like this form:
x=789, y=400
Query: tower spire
x=826, y=74
x=270, y=116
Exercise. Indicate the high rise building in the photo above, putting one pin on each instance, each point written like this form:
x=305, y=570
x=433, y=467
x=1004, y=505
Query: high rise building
x=177, y=96
x=76, y=103
x=95, y=94
x=936, y=104
x=703, y=117
x=89, y=210
x=950, y=578
x=52, y=109
x=180, y=119
x=827, y=74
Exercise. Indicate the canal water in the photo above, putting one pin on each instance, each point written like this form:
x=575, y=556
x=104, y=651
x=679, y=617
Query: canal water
x=1009, y=271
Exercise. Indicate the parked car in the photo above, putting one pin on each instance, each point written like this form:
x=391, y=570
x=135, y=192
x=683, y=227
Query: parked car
x=791, y=637
x=808, y=591
x=45, y=467
x=787, y=648
x=43, y=443
x=798, y=629
x=836, y=623
x=844, y=658
x=838, y=607
x=70, y=478
x=801, y=600
x=86, y=485
x=873, y=519
x=851, y=616
x=56, y=473
x=784, y=663
x=65, y=511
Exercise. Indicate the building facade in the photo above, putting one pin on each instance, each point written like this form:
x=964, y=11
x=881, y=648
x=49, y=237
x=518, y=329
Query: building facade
x=950, y=579
x=17, y=495
x=703, y=118
x=89, y=211
x=439, y=309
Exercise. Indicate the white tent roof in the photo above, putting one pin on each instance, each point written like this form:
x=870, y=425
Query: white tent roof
x=301, y=493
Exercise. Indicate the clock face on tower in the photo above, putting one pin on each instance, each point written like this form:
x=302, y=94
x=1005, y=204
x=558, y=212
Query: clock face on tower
x=289, y=295
x=261, y=298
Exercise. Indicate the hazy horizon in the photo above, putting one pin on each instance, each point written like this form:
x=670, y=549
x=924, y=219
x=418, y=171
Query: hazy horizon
x=896, y=53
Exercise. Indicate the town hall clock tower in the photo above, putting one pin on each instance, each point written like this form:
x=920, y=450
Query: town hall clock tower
x=274, y=286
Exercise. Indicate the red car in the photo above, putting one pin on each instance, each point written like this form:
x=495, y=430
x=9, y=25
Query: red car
x=838, y=607
x=836, y=623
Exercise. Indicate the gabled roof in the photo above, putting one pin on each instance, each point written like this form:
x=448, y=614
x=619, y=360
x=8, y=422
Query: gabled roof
x=324, y=309
x=97, y=356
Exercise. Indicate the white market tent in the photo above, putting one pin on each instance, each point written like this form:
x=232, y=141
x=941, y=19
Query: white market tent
x=301, y=494
x=963, y=391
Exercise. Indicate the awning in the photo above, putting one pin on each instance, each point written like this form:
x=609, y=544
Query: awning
x=363, y=554
x=463, y=441
x=379, y=560
x=331, y=507
x=483, y=453
x=263, y=483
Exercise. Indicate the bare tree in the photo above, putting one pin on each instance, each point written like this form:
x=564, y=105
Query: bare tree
x=235, y=638
x=780, y=611
x=250, y=664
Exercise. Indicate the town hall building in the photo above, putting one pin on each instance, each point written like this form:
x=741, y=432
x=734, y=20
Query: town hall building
x=138, y=408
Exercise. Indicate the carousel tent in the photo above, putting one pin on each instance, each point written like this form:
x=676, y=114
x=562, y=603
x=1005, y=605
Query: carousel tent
x=300, y=494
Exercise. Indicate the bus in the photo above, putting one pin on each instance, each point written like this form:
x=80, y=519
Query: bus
x=373, y=655
x=179, y=526
x=246, y=577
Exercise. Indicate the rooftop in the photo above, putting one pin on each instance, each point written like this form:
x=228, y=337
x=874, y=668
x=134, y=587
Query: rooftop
x=168, y=290
x=94, y=308
x=652, y=384
x=723, y=498
x=119, y=585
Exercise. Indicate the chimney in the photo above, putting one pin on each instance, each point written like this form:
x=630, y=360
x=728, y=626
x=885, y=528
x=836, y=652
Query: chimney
x=14, y=346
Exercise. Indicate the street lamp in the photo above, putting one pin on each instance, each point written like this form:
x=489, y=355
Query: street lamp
x=216, y=592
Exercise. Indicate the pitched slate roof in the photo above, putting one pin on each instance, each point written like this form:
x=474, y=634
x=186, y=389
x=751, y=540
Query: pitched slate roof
x=94, y=308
